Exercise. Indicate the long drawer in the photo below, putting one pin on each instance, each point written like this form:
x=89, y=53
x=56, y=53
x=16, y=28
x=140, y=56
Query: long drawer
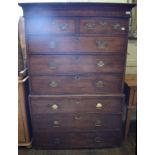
x=72, y=104
x=76, y=84
x=75, y=122
x=68, y=44
x=76, y=140
x=63, y=64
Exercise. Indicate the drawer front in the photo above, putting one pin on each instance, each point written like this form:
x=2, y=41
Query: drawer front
x=76, y=140
x=76, y=84
x=75, y=122
x=47, y=44
x=89, y=104
x=62, y=64
x=103, y=25
x=50, y=25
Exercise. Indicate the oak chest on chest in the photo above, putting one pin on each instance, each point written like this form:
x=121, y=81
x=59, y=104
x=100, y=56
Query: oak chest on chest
x=76, y=60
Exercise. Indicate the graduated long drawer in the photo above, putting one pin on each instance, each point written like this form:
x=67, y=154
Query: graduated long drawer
x=76, y=140
x=42, y=44
x=76, y=122
x=63, y=64
x=76, y=84
x=76, y=104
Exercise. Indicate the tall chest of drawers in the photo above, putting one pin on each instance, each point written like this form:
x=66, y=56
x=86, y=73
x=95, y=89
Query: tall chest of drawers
x=76, y=60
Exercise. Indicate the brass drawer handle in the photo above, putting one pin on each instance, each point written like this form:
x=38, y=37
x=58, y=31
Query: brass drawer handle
x=101, y=44
x=98, y=139
x=123, y=28
x=116, y=26
x=52, y=65
x=56, y=124
x=98, y=123
x=77, y=116
x=52, y=44
x=63, y=26
x=90, y=25
x=54, y=107
x=100, y=63
x=53, y=84
x=103, y=23
x=127, y=12
x=99, y=105
x=77, y=77
x=99, y=84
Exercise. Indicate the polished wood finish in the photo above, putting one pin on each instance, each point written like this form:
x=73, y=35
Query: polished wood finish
x=41, y=44
x=51, y=25
x=80, y=104
x=75, y=122
x=75, y=64
x=77, y=140
x=76, y=25
x=73, y=84
x=77, y=55
x=103, y=26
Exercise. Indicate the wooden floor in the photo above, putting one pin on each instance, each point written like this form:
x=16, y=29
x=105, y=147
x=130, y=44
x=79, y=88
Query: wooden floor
x=127, y=148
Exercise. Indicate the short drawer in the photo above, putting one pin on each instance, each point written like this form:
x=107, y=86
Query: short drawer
x=103, y=26
x=41, y=44
x=63, y=64
x=73, y=104
x=76, y=122
x=76, y=84
x=76, y=140
x=50, y=25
